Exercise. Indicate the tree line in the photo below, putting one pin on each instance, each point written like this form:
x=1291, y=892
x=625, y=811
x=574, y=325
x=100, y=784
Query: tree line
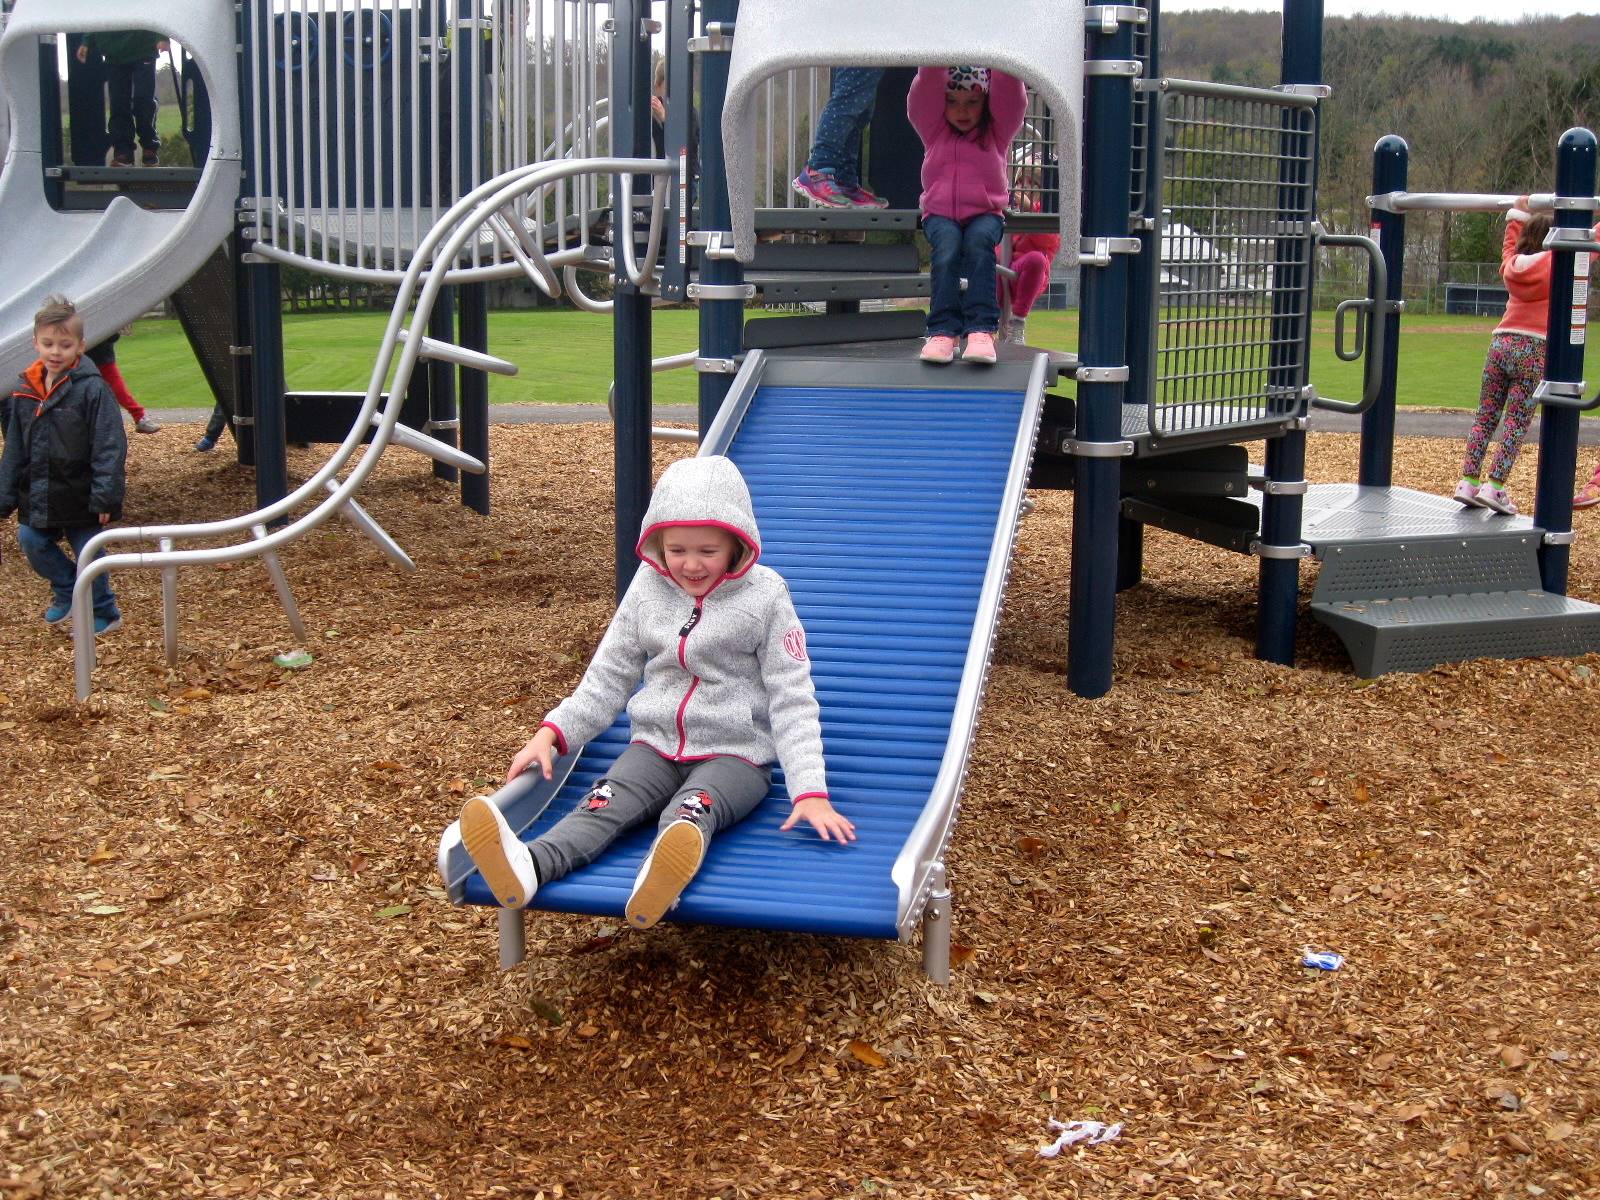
x=1481, y=106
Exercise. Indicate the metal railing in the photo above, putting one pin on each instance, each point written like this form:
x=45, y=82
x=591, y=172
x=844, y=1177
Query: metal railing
x=429, y=271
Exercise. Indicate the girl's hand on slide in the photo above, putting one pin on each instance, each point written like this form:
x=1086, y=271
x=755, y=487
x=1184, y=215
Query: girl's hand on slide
x=830, y=825
x=536, y=751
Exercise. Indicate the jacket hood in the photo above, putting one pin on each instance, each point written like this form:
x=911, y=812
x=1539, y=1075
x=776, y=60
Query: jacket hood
x=705, y=491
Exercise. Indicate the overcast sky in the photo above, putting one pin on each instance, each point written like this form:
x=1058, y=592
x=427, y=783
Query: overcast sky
x=1448, y=10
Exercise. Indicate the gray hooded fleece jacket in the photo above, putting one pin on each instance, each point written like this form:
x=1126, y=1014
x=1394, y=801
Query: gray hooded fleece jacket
x=727, y=674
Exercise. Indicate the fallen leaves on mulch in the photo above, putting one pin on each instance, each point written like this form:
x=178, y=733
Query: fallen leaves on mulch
x=227, y=967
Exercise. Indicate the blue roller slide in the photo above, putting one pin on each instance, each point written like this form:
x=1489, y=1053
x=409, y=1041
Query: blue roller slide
x=887, y=494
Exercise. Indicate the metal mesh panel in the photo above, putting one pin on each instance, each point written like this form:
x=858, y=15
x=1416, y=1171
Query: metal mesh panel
x=1236, y=192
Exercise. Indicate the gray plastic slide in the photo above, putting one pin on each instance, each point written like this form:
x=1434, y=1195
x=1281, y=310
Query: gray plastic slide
x=113, y=264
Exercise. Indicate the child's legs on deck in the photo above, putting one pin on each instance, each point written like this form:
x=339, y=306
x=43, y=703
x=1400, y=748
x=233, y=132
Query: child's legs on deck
x=837, y=145
x=144, y=104
x=119, y=93
x=1526, y=368
x=1033, y=276
x=1491, y=402
x=944, y=275
x=980, y=313
x=717, y=793
x=633, y=791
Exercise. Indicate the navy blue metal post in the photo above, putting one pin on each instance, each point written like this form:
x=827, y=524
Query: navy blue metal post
x=1102, y=343
x=1391, y=158
x=442, y=418
x=1563, y=362
x=1278, y=586
x=242, y=352
x=1143, y=283
x=721, y=315
x=474, y=297
x=50, y=144
x=266, y=371
x=263, y=285
x=474, y=323
x=242, y=349
x=630, y=311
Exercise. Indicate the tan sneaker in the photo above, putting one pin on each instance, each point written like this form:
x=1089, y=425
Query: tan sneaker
x=667, y=870
x=500, y=856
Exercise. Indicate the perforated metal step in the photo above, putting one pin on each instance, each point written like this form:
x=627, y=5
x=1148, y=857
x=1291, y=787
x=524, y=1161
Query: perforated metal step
x=1413, y=633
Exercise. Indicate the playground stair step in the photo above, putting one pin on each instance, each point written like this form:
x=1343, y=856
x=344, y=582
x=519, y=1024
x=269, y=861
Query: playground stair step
x=1413, y=605
x=1413, y=633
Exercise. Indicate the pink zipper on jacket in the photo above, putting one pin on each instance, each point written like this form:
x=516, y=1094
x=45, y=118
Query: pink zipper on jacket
x=683, y=641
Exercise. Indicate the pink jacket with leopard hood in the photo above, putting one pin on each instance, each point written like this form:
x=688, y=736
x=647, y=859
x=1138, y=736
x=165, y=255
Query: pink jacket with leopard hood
x=964, y=175
x=728, y=674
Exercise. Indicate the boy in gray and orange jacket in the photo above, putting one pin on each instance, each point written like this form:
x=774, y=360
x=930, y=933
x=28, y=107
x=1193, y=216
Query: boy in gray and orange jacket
x=726, y=691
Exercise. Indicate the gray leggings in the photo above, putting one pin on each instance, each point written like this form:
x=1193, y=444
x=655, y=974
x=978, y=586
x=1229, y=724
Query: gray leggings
x=714, y=793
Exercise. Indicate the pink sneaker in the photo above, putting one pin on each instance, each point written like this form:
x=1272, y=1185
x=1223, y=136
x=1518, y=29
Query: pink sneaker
x=940, y=348
x=862, y=196
x=1467, y=493
x=1492, y=495
x=979, y=349
x=1588, y=495
x=819, y=188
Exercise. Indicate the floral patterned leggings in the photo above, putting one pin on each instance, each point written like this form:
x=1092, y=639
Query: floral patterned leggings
x=1512, y=371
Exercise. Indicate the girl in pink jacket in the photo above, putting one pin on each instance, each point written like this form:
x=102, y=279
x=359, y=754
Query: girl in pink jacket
x=1515, y=363
x=967, y=118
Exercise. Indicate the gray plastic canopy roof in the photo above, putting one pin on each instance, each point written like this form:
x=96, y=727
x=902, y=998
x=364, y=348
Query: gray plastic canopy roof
x=1040, y=41
x=114, y=264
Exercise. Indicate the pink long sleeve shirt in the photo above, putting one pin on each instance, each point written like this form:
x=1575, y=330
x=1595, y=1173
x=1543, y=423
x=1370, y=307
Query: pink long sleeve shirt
x=964, y=175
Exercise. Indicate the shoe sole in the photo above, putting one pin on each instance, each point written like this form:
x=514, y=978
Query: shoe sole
x=1469, y=501
x=1505, y=510
x=480, y=834
x=936, y=361
x=800, y=191
x=110, y=628
x=672, y=864
x=981, y=360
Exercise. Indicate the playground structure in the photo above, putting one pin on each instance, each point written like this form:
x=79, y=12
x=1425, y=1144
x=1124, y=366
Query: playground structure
x=424, y=153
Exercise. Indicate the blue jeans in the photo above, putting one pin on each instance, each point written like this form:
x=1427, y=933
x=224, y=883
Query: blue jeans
x=45, y=556
x=963, y=250
x=836, y=144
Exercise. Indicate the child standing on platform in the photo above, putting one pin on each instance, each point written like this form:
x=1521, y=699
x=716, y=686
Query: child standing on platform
x=967, y=118
x=727, y=690
x=130, y=56
x=1031, y=253
x=63, y=467
x=1515, y=364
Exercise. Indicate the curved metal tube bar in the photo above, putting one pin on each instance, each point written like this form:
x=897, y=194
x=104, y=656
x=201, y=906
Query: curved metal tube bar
x=437, y=248
x=661, y=433
x=581, y=298
x=640, y=276
x=1374, y=303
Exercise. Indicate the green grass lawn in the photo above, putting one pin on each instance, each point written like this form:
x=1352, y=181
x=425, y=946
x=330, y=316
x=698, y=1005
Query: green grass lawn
x=565, y=356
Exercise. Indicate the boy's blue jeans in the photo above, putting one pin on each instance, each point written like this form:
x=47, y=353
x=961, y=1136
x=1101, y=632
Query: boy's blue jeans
x=963, y=250
x=44, y=554
x=836, y=147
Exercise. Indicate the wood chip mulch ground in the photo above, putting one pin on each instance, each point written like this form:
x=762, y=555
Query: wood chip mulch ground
x=227, y=967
